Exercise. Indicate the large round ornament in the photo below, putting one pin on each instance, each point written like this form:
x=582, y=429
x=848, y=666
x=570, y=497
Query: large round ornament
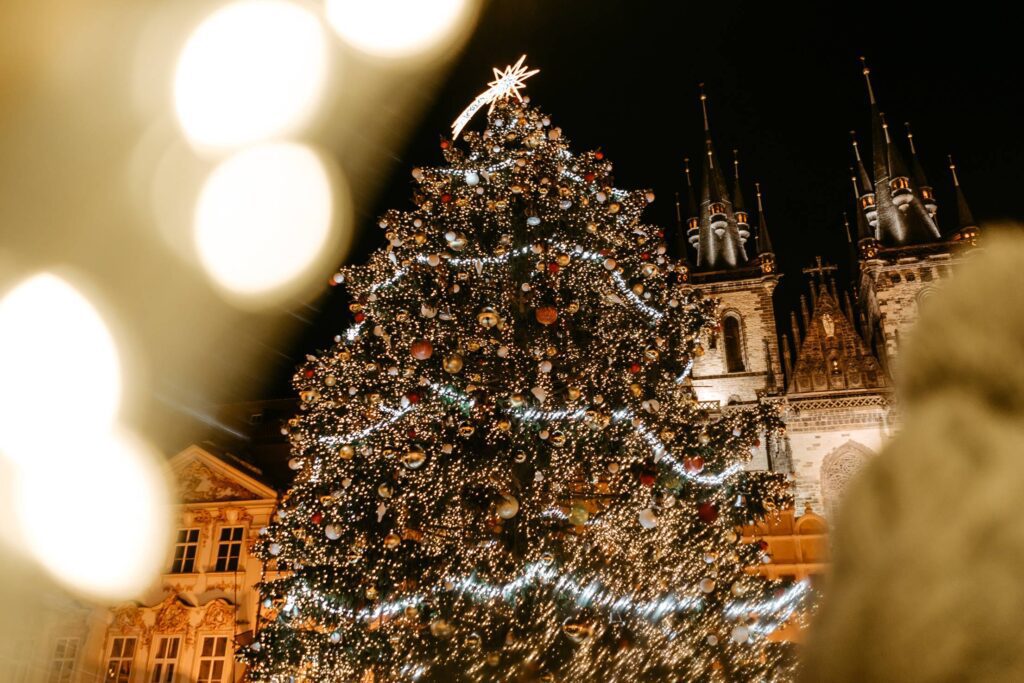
x=274, y=549
x=740, y=633
x=546, y=315
x=648, y=518
x=708, y=512
x=707, y=585
x=332, y=531
x=453, y=363
x=346, y=452
x=414, y=458
x=487, y=317
x=577, y=630
x=421, y=349
x=508, y=507
x=578, y=515
x=440, y=628
x=693, y=464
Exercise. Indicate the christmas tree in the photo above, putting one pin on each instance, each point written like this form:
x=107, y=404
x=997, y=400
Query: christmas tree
x=502, y=471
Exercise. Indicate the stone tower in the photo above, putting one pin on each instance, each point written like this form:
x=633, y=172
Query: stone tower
x=741, y=360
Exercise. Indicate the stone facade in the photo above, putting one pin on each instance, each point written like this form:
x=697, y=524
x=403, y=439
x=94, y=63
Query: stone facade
x=749, y=300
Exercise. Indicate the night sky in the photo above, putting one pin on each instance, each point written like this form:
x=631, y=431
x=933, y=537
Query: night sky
x=784, y=87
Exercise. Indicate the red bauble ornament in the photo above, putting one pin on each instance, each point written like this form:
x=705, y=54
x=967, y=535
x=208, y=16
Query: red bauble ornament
x=546, y=315
x=757, y=442
x=599, y=155
x=693, y=465
x=589, y=176
x=411, y=434
x=308, y=373
x=552, y=267
x=763, y=545
x=445, y=198
x=708, y=512
x=445, y=144
x=646, y=256
x=635, y=368
x=360, y=317
x=413, y=397
x=647, y=478
x=421, y=349
x=316, y=518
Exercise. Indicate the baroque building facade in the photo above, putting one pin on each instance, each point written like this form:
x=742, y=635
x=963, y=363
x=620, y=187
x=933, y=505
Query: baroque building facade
x=833, y=381
x=187, y=626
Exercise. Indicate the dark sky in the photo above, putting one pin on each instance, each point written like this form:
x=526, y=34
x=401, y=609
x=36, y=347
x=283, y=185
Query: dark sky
x=784, y=86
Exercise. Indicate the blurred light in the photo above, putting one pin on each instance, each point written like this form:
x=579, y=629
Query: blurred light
x=252, y=70
x=399, y=28
x=94, y=513
x=263, y=217
x=59, y=365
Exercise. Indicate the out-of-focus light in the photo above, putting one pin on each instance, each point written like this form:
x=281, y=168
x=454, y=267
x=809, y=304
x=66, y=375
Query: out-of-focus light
x=95, y=515
x=252, y=70
x=59, y=366
x=400, y=28
x=263, y=217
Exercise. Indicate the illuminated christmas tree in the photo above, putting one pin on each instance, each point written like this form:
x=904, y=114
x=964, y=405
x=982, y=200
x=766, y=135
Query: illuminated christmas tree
x=502, y=470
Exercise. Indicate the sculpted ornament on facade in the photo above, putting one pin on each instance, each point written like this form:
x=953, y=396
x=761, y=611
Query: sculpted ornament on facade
x=218, y=616
x=199, y=483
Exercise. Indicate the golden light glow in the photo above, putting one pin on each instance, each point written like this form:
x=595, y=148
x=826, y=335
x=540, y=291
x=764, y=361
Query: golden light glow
x=400, y=28
x=59, y=365
x=94, y=513
x=252, y=70
x=263, y=217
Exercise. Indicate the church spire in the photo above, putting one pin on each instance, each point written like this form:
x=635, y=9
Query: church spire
x=920, y=179
x=967, y=230
x=720, y=244
x=683, y=266
x=692, y=213
x=867, y=244
x=865, y=192
x=902, y=218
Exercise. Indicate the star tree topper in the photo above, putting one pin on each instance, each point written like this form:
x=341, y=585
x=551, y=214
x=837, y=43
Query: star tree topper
x=506, y=83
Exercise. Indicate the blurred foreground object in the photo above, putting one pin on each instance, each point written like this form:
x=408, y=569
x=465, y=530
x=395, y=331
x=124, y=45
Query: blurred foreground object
x=928, y=548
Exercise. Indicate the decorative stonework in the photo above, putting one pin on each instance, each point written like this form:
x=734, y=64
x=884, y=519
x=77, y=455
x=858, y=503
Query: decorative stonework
x=198, y=483
x=837, y=469
x=127, y=619
x=219, y=615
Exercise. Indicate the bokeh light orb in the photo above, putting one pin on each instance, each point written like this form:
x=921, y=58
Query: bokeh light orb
x=96, y=516
x=253, y=70
x=263, y=217
x=60, y=368
x=400, y=28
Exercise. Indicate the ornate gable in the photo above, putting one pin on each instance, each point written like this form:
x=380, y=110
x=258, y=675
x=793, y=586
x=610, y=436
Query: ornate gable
x=832, y=356
x=204, y=478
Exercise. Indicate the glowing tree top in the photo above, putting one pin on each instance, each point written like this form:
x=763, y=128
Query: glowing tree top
x=502, y=471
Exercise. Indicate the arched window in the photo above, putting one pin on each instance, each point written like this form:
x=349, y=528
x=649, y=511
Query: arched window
x=733, y=344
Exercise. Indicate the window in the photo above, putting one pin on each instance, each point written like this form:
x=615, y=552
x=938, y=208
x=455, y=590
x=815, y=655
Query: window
x=119, y=666
x=63, y=664
x=185, y=551
x=837, y=469
x=229, y=549
x=166, y=659
x=213, y=659
x=733, y=345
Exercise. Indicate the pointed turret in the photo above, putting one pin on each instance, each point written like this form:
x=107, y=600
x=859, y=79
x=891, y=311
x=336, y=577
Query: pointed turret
x=863, y=188
x=738, y=205
x=765, y=251
x=924, y=188
x=692, y=213
x=899, y=178
x=683, y=263
x=967, y=230
x=867, y=243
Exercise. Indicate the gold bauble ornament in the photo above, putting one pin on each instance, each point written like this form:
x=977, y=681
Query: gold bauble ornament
x=347, y=452
x=453, y=363
x=440, y=628
x=414, y=458
x=392, y=541
x=487, y=317
x=577, y=630
x=474, y=641
x=372, y=593
x=507, y=507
